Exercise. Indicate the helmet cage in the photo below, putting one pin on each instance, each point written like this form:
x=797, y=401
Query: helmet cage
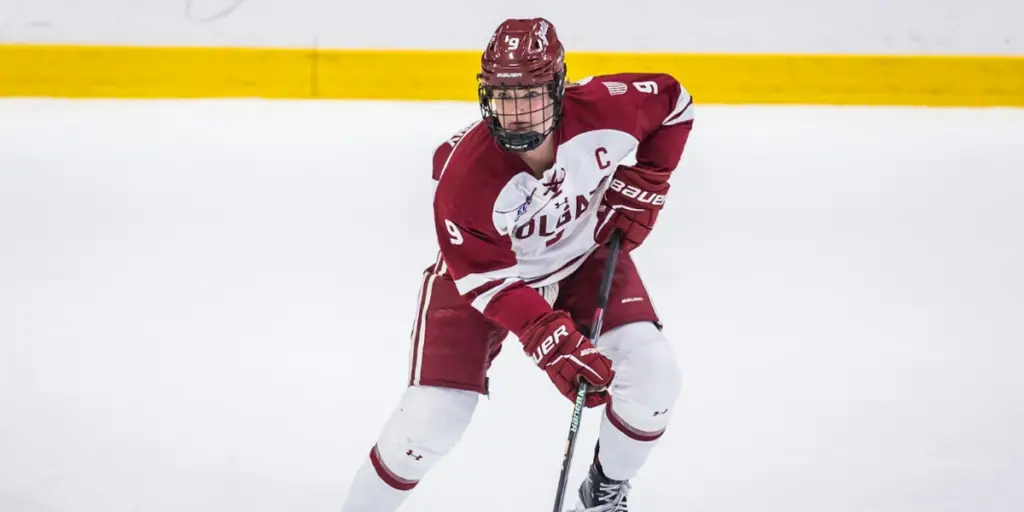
x=527, y=132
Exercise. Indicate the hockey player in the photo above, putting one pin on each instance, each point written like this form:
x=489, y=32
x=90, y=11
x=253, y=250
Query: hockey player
x=526, y=198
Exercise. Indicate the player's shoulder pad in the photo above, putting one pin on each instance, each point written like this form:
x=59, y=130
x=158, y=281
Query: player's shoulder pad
x=468, y=137
x=468, y=170
x=631, y=102
x=626, y=88
x=612, y=84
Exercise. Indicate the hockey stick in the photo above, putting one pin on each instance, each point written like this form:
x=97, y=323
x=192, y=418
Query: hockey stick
x=581, y=391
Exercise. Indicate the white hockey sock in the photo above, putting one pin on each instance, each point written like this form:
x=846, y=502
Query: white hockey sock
x=370, y=493
x=622, y=454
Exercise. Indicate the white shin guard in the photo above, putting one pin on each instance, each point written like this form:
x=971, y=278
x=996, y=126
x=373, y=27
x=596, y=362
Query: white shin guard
x=425, y=426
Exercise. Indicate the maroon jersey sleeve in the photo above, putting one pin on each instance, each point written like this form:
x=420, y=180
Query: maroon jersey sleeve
x=663, y=121
x=653, y=107
x=479, y=259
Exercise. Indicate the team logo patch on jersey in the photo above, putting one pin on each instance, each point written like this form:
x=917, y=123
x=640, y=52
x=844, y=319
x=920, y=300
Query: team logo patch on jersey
x=524, y=207
x=554, y=184
x=518, y=212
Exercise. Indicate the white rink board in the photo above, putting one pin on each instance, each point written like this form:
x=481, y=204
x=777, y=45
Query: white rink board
x=742, y=26
x=205, y=307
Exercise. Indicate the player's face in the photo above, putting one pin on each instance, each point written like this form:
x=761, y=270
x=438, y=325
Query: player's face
x=523, y=109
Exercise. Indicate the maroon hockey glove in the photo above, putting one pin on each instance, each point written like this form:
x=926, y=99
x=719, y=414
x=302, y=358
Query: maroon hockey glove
x=631, y=204
x=567, y=356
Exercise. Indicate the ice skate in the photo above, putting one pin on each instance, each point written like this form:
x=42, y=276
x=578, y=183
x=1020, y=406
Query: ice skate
x=599, y=493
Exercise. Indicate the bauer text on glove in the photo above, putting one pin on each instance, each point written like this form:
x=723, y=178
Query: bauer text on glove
x=567, y=356
x=631, y=204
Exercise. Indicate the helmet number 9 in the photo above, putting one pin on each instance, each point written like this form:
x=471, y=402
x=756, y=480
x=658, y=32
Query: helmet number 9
x=512, y=42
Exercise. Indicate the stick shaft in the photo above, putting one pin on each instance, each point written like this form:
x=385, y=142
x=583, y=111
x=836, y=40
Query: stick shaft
x=581, y=392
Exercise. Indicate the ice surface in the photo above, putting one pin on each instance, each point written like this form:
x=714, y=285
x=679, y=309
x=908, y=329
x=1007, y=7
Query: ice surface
x=205, y=306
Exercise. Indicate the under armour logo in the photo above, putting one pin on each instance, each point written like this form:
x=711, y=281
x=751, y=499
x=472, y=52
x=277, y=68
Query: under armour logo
x=413, y=455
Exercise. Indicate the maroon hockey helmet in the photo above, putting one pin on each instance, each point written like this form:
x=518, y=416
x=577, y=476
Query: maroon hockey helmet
x=522, y=82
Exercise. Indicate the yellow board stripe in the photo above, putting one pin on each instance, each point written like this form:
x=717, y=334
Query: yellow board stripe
x=191, y=72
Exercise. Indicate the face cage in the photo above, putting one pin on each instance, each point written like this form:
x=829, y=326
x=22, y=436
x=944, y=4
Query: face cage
x=513, y=140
